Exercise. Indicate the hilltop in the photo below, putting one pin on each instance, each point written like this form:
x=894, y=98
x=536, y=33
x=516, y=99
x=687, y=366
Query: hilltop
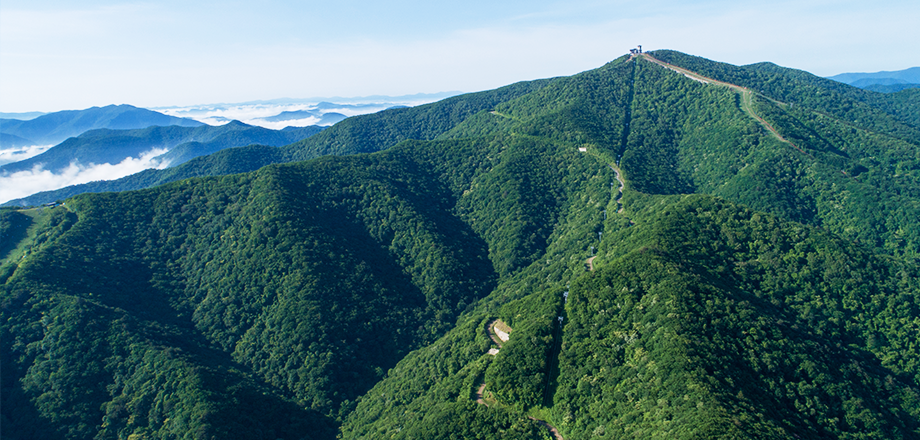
x=753, y=242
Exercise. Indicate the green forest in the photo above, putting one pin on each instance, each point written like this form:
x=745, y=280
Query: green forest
x=756, y=275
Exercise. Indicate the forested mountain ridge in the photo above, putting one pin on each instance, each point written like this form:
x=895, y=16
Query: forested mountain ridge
x=749, y=288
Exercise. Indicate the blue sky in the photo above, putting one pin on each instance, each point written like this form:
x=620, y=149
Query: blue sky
x=57, y=55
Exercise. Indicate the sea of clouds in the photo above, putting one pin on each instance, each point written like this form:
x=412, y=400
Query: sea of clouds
x=259, y=113
x=25, y=183
x=252, y=114
x=15, y=154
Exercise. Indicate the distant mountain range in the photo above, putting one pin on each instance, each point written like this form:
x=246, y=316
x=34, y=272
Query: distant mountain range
x=55, y=127
x=22, y=116
x=892, y=81
x=184, y=143
x=36, y=128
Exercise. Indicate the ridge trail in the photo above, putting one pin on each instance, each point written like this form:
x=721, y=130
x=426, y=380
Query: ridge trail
x=746, y=96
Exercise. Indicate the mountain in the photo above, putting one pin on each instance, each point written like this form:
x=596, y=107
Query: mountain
x=885, y=78
x=52, y=128
x=183, y=143
x=325, y=114
x=668, y=247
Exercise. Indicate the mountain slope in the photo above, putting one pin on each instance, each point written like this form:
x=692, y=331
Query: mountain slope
x=240, y=135
x=848, y=158
x=753, y=273
x=52, y=128
x=669, y=339
x=579, y=415
x=413, y=265
x=702, y=312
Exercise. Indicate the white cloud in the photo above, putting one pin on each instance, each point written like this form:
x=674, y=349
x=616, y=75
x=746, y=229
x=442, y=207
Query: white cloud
x=219, y=115
x=255, y=114
x=11, y=155
x=24, y=183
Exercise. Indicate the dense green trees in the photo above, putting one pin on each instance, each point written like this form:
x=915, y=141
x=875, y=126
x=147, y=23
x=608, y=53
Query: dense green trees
x=736, y=324
x=349, y=295
x=316, y=277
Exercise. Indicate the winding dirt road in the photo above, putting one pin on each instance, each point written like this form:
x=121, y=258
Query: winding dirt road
x=548, y=426
x=616, y=173
x=479, y=392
